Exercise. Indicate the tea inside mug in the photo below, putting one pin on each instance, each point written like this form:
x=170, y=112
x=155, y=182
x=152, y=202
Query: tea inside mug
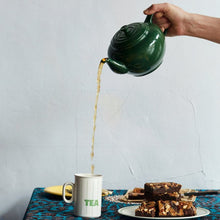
x=87, y=175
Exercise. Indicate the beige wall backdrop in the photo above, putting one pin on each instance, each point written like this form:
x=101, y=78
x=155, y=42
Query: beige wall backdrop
x=161, y=127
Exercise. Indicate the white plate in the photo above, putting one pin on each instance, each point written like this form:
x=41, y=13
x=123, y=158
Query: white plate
x=130, y=212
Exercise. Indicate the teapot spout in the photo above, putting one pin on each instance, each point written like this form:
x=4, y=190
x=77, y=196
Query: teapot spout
x=116, y=66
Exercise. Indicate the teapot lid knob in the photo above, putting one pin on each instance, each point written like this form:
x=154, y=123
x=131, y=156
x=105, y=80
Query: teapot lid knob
x=125, y=29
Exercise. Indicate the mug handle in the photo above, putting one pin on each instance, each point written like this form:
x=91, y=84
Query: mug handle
x=149, y=20
x=64, y=192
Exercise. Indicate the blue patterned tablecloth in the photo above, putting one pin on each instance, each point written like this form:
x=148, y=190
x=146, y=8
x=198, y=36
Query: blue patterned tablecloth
x=49, y=207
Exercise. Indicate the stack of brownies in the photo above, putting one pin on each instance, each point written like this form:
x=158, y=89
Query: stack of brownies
x=164, y=200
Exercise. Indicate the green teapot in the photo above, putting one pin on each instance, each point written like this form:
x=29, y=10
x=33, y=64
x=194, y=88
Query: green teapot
x=137, y=48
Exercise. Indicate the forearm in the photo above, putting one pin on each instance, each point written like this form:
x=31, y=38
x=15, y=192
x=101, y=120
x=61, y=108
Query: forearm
x=203, y=27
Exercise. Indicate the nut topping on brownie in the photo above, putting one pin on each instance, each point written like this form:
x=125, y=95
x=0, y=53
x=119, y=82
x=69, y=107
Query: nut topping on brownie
x=175, y=208
x=147, y=209
x=163, y=187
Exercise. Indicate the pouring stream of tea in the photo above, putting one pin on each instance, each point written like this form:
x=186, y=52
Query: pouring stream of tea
x=95, y=111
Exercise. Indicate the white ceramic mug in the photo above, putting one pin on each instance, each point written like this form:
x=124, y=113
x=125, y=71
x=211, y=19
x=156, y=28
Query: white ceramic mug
x=86, y=195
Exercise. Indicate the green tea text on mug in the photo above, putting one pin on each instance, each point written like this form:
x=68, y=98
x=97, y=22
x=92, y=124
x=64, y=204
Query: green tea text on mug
x=90, y=202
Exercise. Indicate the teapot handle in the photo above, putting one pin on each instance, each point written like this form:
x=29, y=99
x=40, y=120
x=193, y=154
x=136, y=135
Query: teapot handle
x=149, y=20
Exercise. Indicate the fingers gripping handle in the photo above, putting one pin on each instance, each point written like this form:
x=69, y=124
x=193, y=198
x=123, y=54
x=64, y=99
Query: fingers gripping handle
x=149, y=20
x=64, y=192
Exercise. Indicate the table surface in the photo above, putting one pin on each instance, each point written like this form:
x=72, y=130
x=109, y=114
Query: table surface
x=48, y=207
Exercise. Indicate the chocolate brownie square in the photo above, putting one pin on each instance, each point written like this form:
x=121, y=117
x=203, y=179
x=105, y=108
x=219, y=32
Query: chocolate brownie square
x=161, y=188
x=135, y=196
x=166, y=196
x=138, y=190
x=175, y=208
x=147, y=209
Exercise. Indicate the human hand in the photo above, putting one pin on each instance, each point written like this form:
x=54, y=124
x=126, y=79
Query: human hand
x=170, y=17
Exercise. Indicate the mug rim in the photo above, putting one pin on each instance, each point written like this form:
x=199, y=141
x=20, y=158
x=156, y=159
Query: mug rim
x=87, y=175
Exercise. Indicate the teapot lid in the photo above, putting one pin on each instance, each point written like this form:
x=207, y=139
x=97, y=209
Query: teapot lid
x=129, y=35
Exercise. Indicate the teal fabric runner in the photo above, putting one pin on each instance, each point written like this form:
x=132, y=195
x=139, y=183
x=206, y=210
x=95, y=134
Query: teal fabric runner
x=49, y=207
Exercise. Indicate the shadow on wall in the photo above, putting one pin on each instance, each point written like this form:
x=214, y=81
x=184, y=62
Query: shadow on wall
x=16, y=212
